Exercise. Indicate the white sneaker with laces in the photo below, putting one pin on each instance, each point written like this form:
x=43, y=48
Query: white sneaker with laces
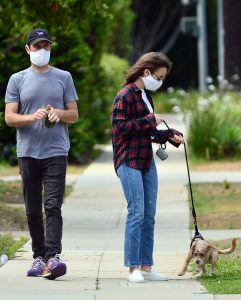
x=154, y=276
x=135, y=277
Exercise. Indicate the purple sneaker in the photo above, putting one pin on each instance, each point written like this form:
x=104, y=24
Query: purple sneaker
x=55, y=267
x=38, y=268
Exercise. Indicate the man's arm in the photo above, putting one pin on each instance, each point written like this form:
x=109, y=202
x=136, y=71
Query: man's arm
x=14, y=119
x=67, y=115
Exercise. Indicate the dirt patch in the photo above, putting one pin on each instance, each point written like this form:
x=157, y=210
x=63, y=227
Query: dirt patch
x=230, y=220
x=224, y=189
x=12, y=218
x=218, y=166
x=11, y=192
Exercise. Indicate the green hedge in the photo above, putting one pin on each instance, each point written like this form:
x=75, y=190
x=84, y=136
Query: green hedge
x=215, y=131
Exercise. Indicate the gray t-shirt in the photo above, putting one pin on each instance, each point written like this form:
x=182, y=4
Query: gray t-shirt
x=33, y=90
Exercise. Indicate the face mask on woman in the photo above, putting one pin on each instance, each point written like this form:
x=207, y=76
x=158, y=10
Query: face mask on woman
x=151, y=83
x=40, y=58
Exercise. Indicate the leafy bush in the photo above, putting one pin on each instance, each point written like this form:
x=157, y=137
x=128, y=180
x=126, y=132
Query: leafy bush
x=115, y=69
x=1, y=128
x=215, y=131
x=213, y=120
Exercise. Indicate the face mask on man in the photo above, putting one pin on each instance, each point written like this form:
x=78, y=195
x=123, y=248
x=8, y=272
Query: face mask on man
x=40, y=58
x=151, y=83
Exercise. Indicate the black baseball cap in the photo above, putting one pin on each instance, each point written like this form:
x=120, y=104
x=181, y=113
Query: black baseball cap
x=37, y=35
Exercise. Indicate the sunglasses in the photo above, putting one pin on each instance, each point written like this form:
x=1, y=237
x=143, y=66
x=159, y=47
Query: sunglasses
x=159, y=78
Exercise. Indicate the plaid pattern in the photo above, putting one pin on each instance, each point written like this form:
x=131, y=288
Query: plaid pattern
x=134, y=129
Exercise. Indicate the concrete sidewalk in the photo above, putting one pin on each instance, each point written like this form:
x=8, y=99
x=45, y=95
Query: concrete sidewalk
x=94, y=220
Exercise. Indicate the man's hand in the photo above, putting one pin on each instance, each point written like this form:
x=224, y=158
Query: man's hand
x=158, y=118
x=40, y=114
x=52, y=114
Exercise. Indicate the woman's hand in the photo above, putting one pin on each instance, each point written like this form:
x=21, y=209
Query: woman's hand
x=158, y=118
x=177, y=139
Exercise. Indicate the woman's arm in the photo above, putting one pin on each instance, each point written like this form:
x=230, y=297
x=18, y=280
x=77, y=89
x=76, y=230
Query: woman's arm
x=123, y=123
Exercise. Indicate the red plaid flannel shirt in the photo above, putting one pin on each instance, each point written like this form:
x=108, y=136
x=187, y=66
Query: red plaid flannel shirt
x=134, y=129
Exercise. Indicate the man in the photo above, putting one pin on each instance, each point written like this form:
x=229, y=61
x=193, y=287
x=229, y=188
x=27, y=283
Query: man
x=40, y=101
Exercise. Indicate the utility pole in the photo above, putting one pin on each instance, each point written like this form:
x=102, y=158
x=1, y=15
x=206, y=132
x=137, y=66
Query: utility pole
x=221, y=49
x=202, y=45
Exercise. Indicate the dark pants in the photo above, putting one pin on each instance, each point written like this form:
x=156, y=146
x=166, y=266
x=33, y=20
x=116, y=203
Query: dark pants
x=47, y=176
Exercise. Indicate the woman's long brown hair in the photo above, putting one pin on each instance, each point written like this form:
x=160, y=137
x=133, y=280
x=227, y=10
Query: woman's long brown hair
x=151, y=61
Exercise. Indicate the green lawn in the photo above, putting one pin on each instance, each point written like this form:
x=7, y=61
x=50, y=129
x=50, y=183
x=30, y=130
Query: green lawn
x=227, y=279
x=218, y=205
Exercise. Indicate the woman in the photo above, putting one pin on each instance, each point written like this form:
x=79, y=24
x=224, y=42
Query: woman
x=133, y=131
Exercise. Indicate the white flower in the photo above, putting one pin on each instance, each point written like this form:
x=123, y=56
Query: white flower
x=211, y=87
x=235, y=77
x=209, y=80
x=225, y=82
x=181, y=92
x=230, y=86
x=213, y=98
x=173, y=101
x=170, y=90
x=202, y=103
x=176, y=109
x=220, y=78
x=227, y=98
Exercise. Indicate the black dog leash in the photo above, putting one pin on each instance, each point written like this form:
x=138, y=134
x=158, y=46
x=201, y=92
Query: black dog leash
x=197, y=234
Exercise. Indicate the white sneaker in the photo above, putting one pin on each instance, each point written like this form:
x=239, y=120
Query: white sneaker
x=154, y=276
x=135, y=277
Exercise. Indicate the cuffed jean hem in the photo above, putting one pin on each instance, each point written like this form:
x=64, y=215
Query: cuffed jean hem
x=132, y=265
x=147, y=264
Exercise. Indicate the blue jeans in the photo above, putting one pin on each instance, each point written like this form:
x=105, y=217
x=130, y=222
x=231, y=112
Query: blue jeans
x=140, y=189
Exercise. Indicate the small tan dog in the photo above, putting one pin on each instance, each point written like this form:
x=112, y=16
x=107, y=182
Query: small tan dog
x=205, y=253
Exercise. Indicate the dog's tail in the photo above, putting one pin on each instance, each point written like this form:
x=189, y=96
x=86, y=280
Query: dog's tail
x=229, y=250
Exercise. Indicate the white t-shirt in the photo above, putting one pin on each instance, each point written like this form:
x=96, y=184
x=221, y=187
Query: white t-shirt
x=144, y=97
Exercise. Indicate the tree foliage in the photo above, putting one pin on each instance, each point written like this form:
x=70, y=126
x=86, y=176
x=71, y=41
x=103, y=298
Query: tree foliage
x=81, y=31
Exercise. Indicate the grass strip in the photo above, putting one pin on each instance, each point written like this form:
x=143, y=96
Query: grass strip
x=9, y=245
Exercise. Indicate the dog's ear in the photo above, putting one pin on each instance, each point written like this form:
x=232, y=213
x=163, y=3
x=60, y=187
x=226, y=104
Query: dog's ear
x=193, y=248
x=208, y=247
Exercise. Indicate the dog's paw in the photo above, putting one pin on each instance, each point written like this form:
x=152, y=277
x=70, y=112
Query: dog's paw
x=181, y=273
